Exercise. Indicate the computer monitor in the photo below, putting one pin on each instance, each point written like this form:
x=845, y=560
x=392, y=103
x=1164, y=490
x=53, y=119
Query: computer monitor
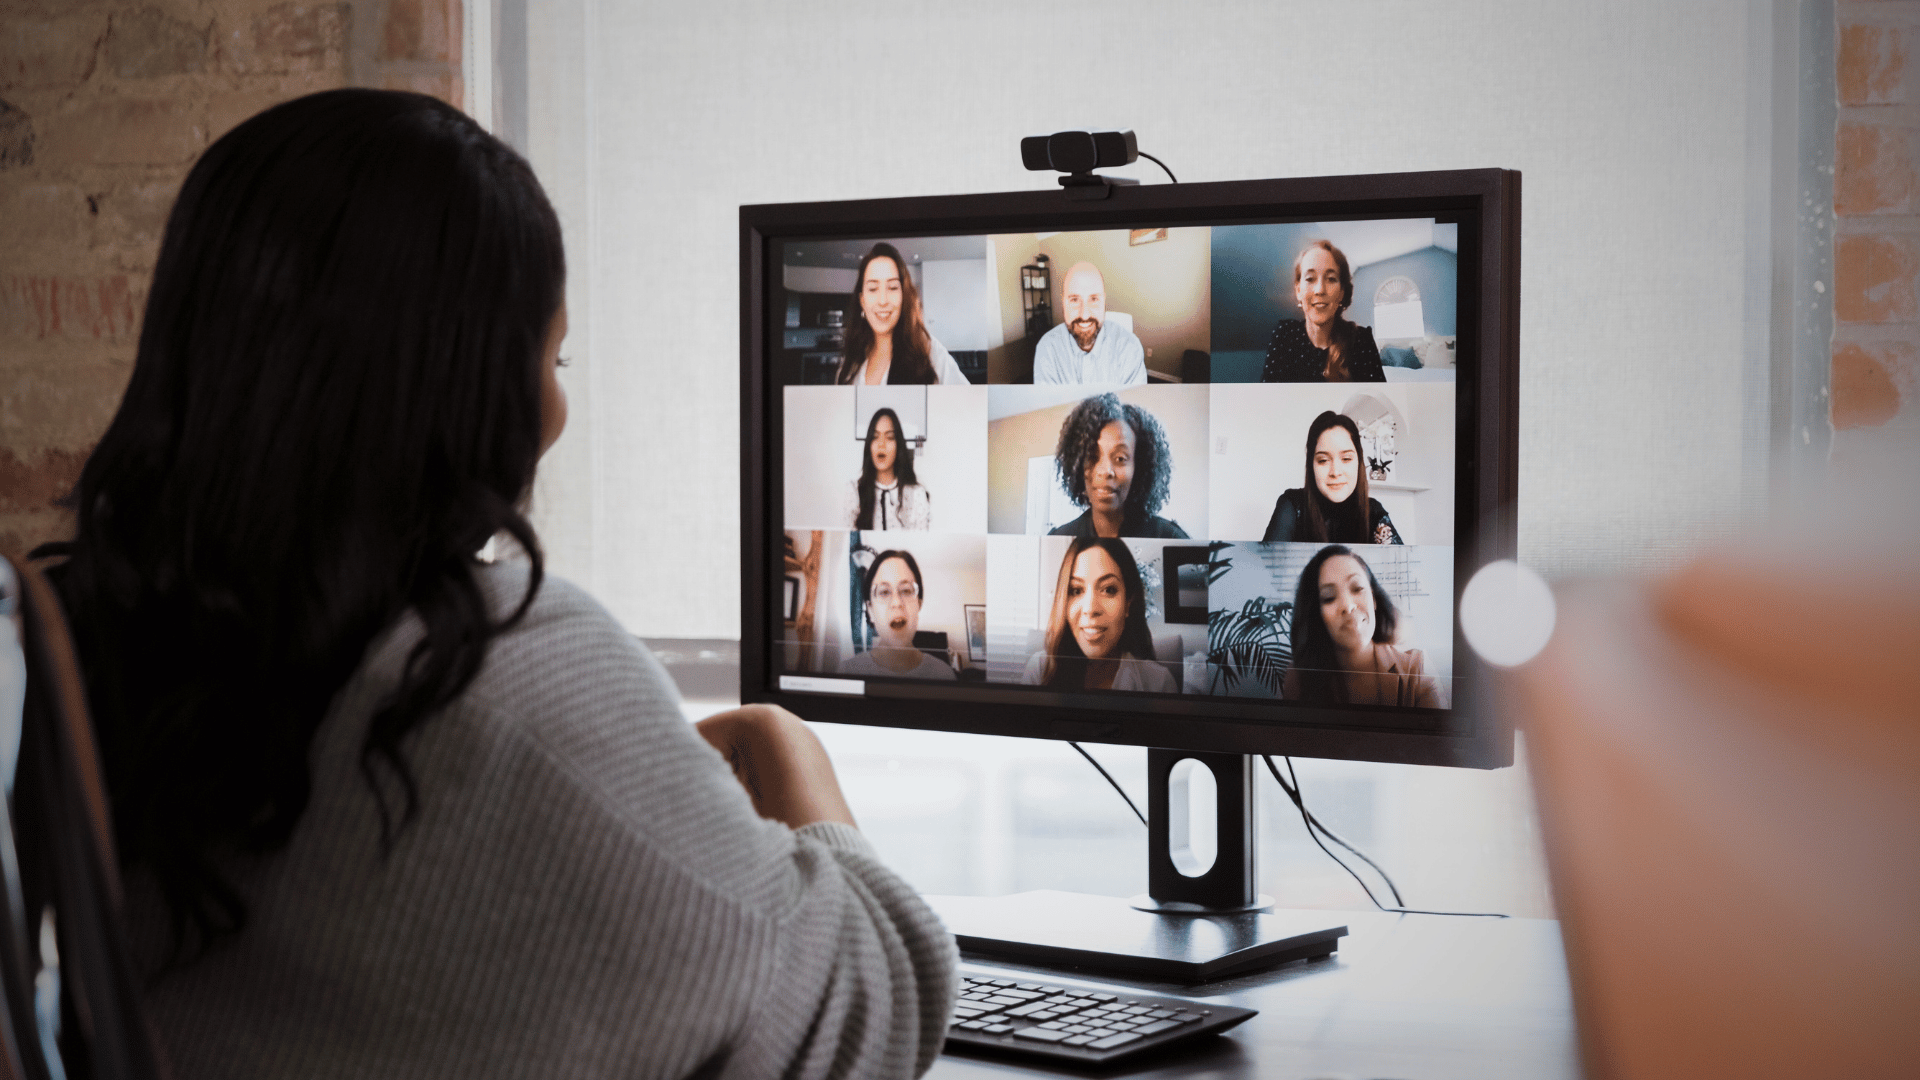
x=1196, y=467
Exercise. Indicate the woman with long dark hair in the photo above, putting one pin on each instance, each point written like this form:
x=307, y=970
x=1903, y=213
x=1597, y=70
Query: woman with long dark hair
x=1097, y=637
x=1114, y=459
x=1343, y=640
x=386, y=809
x=1334, y=504
x=888, y=342
x=887, y=495
x=1323, y=345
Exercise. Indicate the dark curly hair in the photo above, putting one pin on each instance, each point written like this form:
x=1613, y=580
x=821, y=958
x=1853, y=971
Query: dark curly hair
x=1080, y=445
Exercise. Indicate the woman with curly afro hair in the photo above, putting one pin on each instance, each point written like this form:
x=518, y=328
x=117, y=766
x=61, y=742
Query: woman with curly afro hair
x=1114, y=460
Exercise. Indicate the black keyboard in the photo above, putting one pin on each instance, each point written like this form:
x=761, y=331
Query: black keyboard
x=1065, y=1024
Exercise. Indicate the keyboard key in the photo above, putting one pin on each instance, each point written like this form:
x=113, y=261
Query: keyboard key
x=1183, y=1018
x=1028, y=1009
x=1002, y=1001
x=1030, y=986
x=1112, y=1041
x=1055, y=1025
x=997, y=1029
x=1161, y=1014
x=1078, y=1040
x=971, y=1025
x=1103, y=997
x=1041, y=1035
x=1156, y=1027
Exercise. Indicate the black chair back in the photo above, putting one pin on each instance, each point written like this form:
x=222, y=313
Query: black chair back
x=73, y=1003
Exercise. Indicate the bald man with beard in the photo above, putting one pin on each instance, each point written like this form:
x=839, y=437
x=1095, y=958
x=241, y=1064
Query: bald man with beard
x=1086, y=348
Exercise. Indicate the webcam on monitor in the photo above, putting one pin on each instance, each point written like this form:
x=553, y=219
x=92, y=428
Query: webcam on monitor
x=1078, y=153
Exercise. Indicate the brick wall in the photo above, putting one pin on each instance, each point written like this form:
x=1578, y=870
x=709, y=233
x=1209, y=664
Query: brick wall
x=1876, y=242
x=103, y=108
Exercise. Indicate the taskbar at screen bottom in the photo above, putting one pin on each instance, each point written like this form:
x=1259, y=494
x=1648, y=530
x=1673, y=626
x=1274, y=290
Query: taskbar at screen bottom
x=1198, y=706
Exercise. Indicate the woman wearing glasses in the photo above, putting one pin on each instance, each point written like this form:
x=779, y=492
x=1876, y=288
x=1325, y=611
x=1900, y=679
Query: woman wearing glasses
x=894, y=592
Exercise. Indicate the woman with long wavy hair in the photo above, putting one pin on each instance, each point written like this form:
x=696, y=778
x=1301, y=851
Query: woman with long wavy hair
x=385, y=809
x=1097, y=636
x=888, y=496
x=1323, y=345
x=1334, y=504
x=888, y=342
x=1344, y=625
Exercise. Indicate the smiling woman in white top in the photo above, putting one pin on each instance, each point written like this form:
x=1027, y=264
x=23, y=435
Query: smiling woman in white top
x=889, y=342
x=1097, y=636
x=887, y=497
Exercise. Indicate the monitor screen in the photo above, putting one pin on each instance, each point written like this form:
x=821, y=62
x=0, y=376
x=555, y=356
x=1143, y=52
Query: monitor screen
x=1050, y=473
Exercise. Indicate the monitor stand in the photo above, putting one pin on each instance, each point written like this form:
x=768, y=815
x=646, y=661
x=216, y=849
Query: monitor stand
x=1188, y=927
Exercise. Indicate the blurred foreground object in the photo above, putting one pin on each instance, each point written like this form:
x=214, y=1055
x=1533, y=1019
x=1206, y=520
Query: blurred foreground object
x=1728, y=764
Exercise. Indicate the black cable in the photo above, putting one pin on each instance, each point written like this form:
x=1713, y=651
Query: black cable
x=1110, y=780
x=1300, y=800
x=1293, y=793
x=1314, y=828
x=1162, y=164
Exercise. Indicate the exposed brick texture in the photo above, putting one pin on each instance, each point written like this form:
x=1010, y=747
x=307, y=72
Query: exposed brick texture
x=1876, y=170
x=1865, y=393
x=101, y=309
x=444, y=86
x=289, y=39
x=40, y=479
x=422, y=30
x=104, y=106
x=123, y=131
x=37, y=50
x=1874, y=278
x=1874, y=383
x=16, y=137
x=1872, y=65
x=149, y=42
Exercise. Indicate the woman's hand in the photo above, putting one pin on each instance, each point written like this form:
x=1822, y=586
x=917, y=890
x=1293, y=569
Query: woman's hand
x=780, y=762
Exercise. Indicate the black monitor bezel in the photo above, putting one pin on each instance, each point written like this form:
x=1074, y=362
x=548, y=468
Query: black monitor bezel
x=1470, y=735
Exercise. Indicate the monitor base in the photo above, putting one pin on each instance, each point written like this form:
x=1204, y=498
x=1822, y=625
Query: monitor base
x=1146, y=902
x=1105, y=935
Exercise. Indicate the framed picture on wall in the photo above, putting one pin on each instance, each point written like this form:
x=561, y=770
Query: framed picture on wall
x=976, y=633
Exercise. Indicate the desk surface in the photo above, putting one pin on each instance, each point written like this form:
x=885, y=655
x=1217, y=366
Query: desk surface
x=1413, y=997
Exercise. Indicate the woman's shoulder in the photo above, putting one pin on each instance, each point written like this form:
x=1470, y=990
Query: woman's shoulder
x=566, y=663
x=1149, y=676
x=1404, y=661
x=1152, y=526
x=1077, y=527
x=1036, y=668
x=1288, y=330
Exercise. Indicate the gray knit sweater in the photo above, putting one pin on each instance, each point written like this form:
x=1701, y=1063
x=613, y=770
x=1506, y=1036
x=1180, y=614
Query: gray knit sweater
x=586, y=892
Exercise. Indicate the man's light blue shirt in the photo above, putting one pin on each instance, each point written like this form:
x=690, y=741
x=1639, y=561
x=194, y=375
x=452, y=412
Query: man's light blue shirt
x=1117, y=357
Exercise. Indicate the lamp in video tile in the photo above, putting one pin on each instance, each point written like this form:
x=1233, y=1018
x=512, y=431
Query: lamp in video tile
x=1380, y=426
